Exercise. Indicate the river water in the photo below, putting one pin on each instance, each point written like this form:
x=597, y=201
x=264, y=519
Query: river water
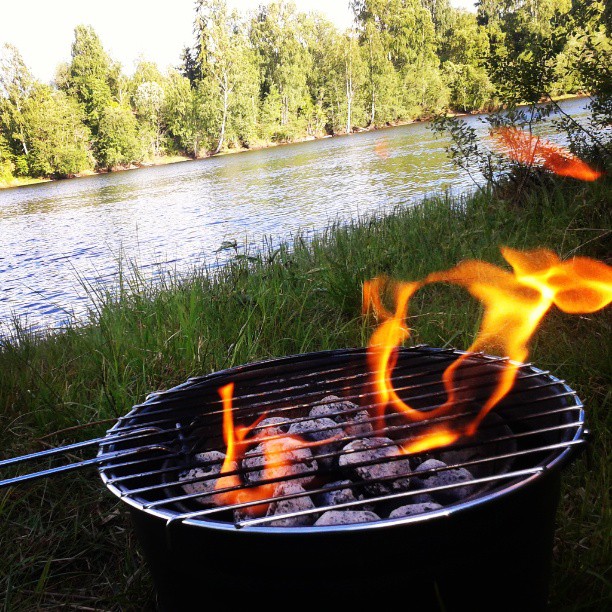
x=59, y=238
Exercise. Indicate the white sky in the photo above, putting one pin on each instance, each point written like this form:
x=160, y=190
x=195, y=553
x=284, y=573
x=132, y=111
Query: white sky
x=43, y=30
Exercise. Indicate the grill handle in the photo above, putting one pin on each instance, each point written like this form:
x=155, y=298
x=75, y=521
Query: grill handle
x=77, y=465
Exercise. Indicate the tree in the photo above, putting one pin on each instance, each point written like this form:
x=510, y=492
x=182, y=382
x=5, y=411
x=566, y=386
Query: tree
x=149, y=102
x=118, y=143
x=42, y=129
x=464, y=54
x=222, y=50
x=465, y=42
x=353, y=75
x=525, y=38
x=442, y=16
x=323, y=44
x=400, y=43
x=145, y=72
x=92, y=77
x=382, y=85
x=58, y=138
x=244, y=111
x=591, y=66
x=278, y=37
x=16, y=84
x=190, y=66
x=187, y=114
x=415, y=38
x=470, y=88
x=6, y=161
x=146, y=90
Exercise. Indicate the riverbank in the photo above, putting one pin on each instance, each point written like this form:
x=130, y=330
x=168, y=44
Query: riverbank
x=68, y=542
x=23, y=182
x=173, y=159
x=158, y=161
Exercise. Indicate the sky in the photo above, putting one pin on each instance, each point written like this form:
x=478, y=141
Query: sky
x=42, y=30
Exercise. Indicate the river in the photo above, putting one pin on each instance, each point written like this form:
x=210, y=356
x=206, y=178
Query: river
x=60, y=238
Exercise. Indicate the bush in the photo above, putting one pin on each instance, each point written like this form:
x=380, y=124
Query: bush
x=6, y=172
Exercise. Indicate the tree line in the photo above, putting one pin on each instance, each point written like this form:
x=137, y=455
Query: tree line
x=277, y=75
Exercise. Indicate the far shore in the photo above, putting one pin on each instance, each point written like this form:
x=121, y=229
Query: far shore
x=175, y=159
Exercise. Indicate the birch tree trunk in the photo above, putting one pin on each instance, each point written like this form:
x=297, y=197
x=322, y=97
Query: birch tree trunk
x=226, y=92
x=349, y=102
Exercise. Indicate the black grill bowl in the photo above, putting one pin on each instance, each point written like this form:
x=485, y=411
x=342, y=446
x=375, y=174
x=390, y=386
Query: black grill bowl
x=490, y=551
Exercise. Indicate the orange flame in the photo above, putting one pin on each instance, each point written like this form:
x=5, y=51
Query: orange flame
x=534, y=151
x=277, y=456
x=229, y=487
x=390, y=334
x=514, y=304
x=436, y=438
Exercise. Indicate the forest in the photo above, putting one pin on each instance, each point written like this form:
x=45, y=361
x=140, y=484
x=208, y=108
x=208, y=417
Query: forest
x=279, y=75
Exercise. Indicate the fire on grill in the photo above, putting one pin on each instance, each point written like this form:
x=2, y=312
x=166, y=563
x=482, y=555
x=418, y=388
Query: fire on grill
x=364, y=458
x=312, y=455
x=331, y=464
x=329, y=467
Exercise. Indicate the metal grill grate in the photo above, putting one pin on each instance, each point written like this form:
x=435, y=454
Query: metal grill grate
x=143, y=457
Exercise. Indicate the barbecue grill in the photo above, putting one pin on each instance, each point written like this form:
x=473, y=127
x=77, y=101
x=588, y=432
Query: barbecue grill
x=488, y=547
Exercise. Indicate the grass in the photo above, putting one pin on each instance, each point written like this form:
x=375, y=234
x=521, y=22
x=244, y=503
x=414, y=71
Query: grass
x=67, y=543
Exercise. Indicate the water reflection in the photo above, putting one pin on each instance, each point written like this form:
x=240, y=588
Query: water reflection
x=57, y=237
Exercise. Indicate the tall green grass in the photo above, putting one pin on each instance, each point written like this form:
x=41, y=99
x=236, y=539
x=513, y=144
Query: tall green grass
x=67, y=542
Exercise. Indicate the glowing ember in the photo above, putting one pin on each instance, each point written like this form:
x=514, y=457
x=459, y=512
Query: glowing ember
x=534, y=151
x=514, y=304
